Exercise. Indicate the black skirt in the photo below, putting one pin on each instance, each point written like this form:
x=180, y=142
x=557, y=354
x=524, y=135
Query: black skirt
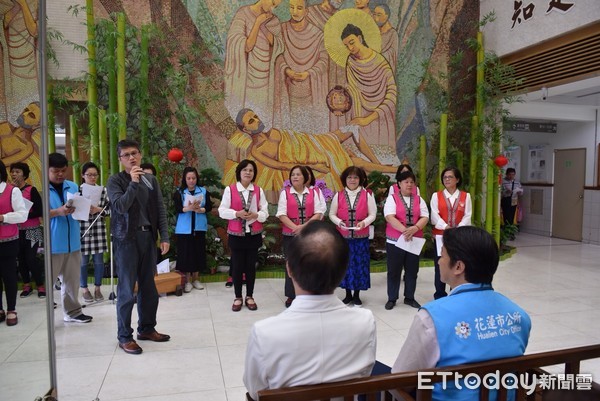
x=191, y=252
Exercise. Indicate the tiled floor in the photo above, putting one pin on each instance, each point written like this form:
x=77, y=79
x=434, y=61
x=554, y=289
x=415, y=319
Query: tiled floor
x=556, y=281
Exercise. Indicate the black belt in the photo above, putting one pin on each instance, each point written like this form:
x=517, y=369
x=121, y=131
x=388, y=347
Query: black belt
x=145, y=228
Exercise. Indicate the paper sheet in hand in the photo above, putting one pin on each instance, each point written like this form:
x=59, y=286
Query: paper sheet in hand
x=253, y=208
x=82, y=207
x=28, y=204
x=163, y=267
x=439, y=241
x=92, y=192
x=191, y=199
x=414, y=246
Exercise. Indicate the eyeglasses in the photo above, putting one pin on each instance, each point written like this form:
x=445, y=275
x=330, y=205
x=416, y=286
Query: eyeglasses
x=91, y=175
x=135, y=153
x=449, y=177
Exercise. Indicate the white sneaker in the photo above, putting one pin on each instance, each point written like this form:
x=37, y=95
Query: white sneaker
x=197, y=285
x=188, y=287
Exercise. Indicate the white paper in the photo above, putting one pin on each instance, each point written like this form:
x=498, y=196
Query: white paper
x=28, y=204
x=253, y=208
x=92, y=192
x=414, y=246
x=191, y=199
x=82, y=206
x=439, y=241
x=163, y=267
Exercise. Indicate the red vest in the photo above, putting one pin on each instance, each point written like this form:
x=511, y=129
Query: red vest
x=8, y=232
x=345, y=213
x=293, y=209
x=236, y=226
x=391, y=232
x=451, y=215
x=33, y=222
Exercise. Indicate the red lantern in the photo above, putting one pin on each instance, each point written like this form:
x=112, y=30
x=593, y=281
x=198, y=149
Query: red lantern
x=500, y=161
x=175, y=155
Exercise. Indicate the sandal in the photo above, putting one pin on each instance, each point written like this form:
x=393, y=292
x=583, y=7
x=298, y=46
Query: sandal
x=2, y=316
x=11, y=318
x=250, y=304
x=237, y=305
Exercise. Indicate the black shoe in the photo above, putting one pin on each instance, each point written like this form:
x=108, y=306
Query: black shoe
x=357, y=302
x=389, y=305
x=229, y=283
x=411, y=302
x=347, y=300
x=26, y=291
x=81, y=318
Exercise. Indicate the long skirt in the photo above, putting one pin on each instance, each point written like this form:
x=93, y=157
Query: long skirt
x=191, y=252
x=358, y=275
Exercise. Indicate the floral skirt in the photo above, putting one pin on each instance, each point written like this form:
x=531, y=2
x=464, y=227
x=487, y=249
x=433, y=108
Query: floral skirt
x=358, y=274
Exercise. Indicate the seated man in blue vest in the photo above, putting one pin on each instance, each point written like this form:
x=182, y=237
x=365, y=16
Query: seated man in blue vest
x=473, y=324
x=318, y=339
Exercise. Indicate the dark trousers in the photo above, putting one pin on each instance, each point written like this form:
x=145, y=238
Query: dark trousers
x=290, y=292
x=244, y=255
x=136, y=261
x=398, y=259
x=440, y=287
x=8, y=272
x=508, y=211
x=28, y=262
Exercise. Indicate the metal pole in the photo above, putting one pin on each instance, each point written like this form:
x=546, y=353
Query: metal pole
x=41, y=55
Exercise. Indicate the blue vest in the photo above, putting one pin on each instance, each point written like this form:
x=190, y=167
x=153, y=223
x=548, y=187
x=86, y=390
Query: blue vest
x=64, y=230
x=184, y=220
x=473, y=324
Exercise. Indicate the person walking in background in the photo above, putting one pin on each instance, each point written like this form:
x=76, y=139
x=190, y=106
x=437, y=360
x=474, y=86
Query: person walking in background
x=12, y=212
x=94, y=243
x=511, y=192
x=245, y=206
x=31, y=235
x=297, y=205
x=65, y=239
x=191, y=203
x=449, y=208
x=352, y=210
x=406, y=215
x=138, y=216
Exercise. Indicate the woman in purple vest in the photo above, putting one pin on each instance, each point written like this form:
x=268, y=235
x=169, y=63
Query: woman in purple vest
x=352, y=210
x=30, y=233
x=406, y=215
x=245, y=206
x=12, y=212
x=297, y=205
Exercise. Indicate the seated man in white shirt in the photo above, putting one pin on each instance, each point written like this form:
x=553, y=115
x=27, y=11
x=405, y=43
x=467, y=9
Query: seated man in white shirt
x=473, y=323
x=318, y=339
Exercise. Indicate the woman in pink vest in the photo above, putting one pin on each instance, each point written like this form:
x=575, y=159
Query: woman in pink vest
x=449, y=208
x=12, y=212
x=406, y=215
x=401, y=169
x=297, y=205
x=245, y=206
x=30, y=233
x=352, y=210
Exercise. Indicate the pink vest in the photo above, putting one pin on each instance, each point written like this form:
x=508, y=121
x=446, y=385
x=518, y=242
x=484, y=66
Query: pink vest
x=391, y=232
x=8, y=232
x=361, y=213
x=293, y=209
x=33, y=222
x=236, y=226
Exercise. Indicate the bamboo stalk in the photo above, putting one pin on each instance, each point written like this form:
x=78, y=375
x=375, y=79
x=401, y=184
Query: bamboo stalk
x=423, y=166
x=102, y=133
x=121, y=76
x=459, y=161
x=112, y=115
x=479, y=145
x=473, y=158
x=443, y=139
x=144, y=72
x=92, y=89
x=74, y=141
x=51, y=120
x=489, y=202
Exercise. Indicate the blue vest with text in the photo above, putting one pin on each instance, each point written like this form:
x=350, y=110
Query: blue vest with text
x=473, y=324
x=184, y=220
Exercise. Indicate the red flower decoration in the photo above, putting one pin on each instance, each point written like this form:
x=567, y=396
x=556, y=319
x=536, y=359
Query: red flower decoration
x=175, y=155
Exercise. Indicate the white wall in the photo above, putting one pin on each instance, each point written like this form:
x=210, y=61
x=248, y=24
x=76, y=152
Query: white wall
x=541, y=26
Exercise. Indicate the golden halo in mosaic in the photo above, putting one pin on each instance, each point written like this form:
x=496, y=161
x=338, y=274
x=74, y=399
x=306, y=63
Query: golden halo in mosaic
x=336, y=24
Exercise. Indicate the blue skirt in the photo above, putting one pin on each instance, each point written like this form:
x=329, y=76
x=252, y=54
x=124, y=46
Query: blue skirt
x=358, y=274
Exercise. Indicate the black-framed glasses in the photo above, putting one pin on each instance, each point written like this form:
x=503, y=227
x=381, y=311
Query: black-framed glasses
x=135, y=153
x=91, y=175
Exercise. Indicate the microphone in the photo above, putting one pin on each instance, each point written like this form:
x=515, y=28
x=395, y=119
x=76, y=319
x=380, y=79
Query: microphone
x=146, y=181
